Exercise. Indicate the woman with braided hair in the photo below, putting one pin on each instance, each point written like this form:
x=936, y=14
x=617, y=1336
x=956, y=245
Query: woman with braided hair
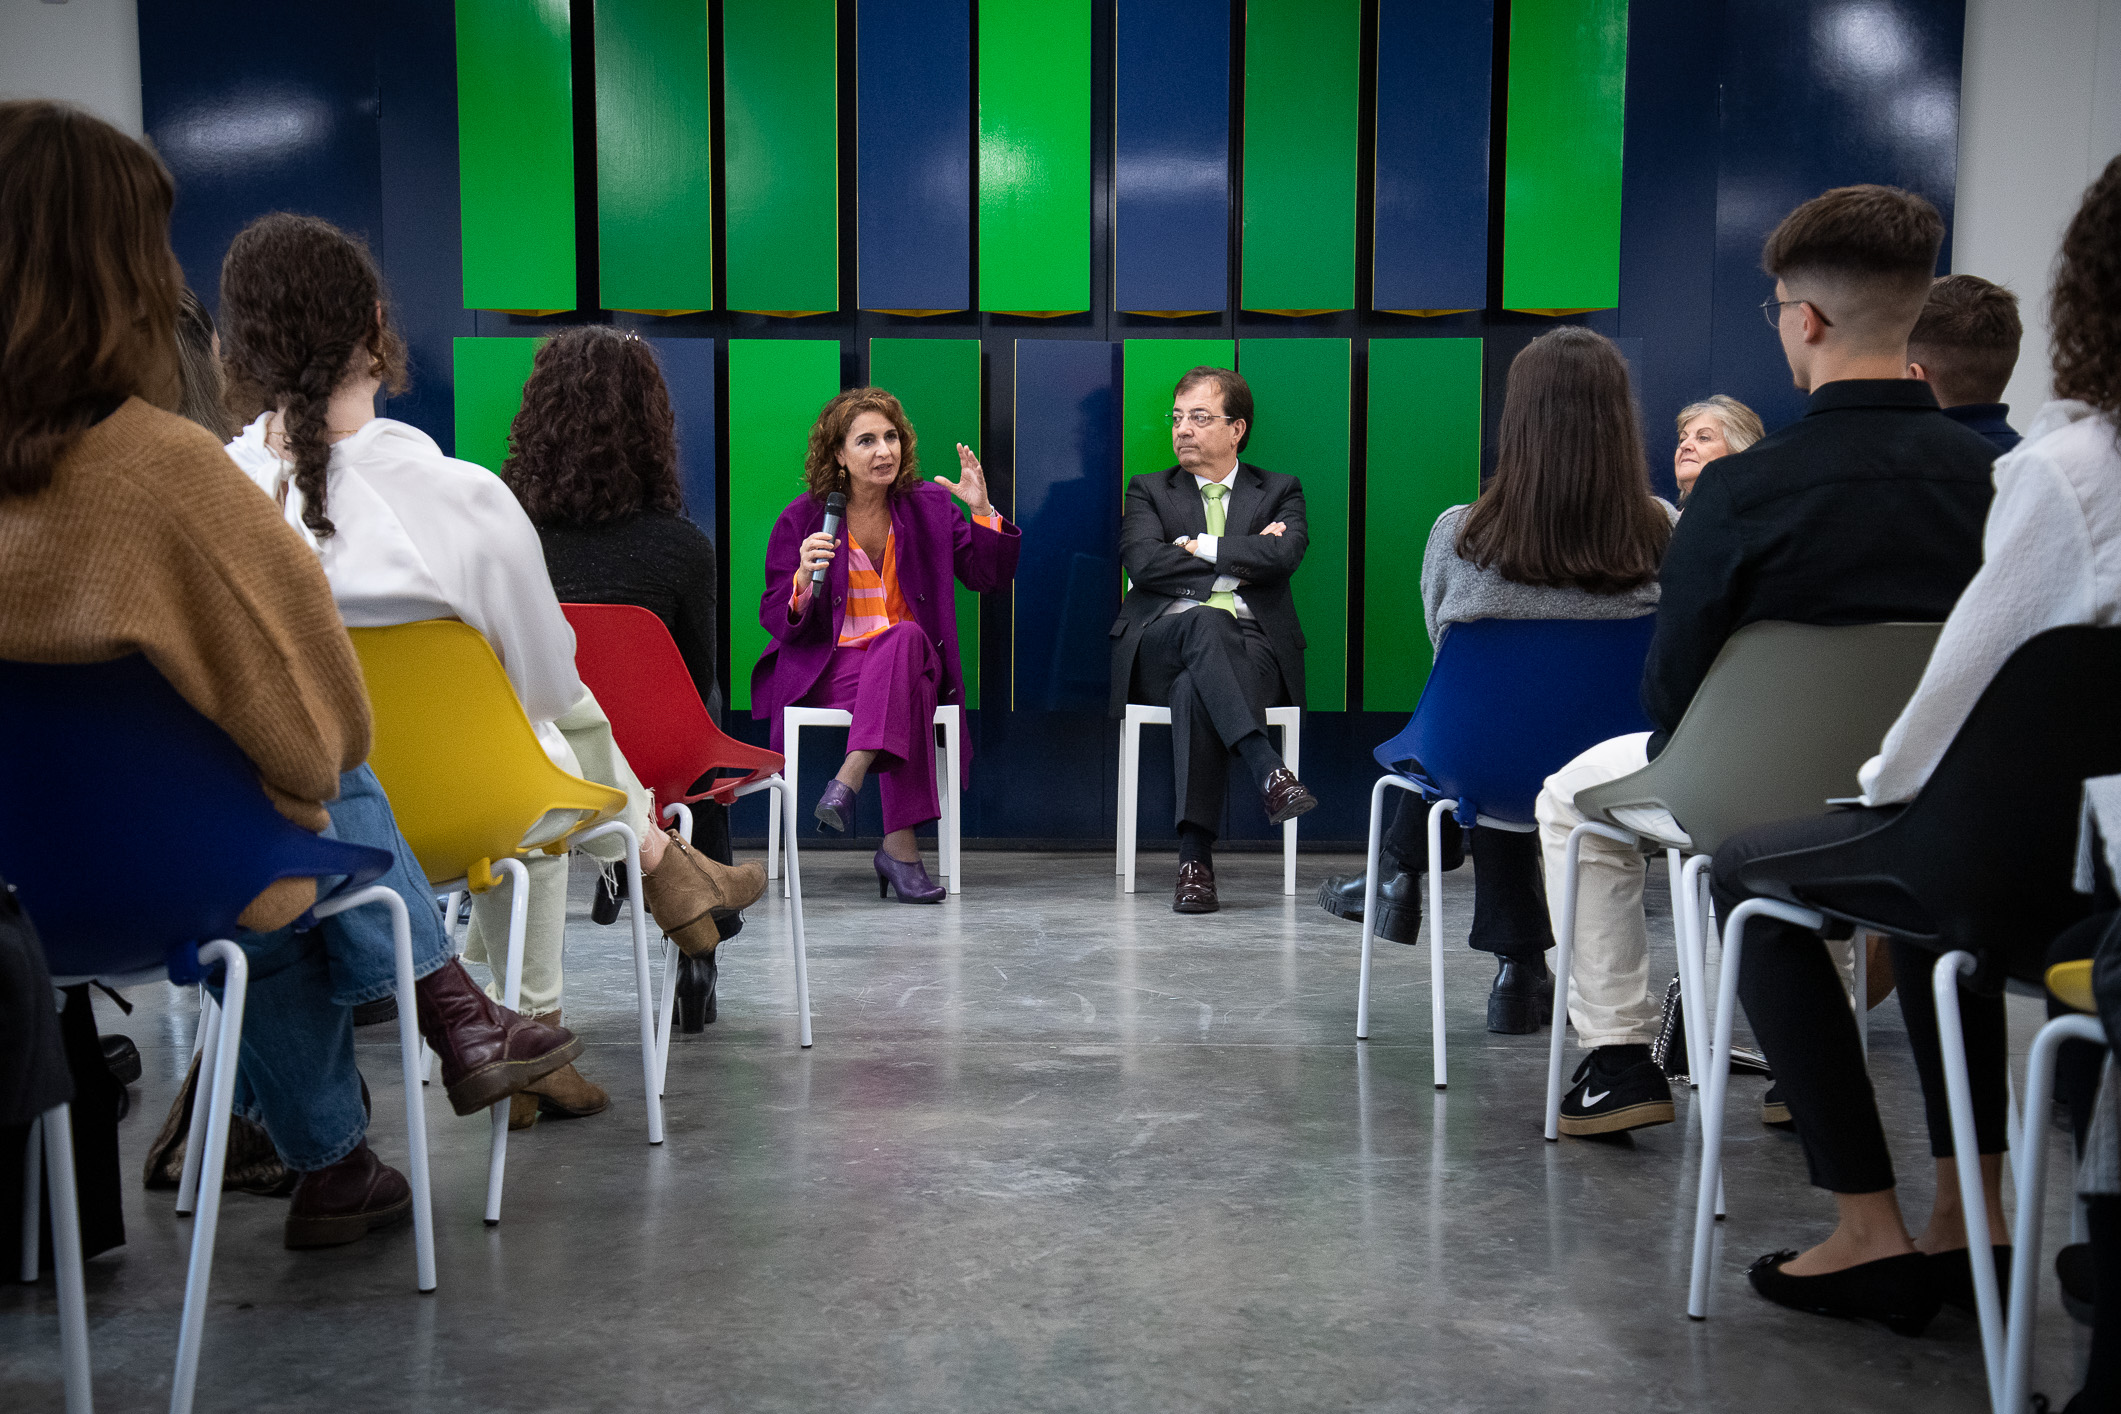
x=406, y=533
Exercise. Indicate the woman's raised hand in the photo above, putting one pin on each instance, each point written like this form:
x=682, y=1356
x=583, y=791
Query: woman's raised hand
x=971, y=485
x=816, y=554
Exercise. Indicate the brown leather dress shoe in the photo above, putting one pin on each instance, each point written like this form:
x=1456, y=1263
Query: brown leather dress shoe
x=1286, y=797
x=488, y=1052
x=344, y=1203
x=1196, y=889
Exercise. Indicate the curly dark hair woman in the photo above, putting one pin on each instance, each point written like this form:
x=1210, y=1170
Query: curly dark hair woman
x=594, y=441
x=303, y=313
x=2087, y=300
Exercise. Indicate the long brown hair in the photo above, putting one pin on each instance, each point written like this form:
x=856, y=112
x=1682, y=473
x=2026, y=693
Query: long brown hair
x=205, y=396
x=88, y=285
x=2086, y=305
x=300, y=302
x=1569, y=505
x=594, y=441
x=820, y=463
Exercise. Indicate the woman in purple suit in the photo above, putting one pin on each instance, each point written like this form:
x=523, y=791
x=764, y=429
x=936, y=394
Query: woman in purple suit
x=878, y=636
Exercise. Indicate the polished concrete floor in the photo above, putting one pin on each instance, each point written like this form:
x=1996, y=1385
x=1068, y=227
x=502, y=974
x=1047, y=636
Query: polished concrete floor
x=1056, y=1148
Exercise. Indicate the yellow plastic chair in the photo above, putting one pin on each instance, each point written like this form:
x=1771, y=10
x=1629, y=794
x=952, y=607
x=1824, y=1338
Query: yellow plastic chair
x=470, y=784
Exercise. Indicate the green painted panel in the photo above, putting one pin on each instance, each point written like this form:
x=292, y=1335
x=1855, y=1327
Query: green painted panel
x=1561, y=173
x=776, y=388
x=780, y=99
x=1149, y=369
x=655, y=205
x=939, y=382
x=1424, y=458
x=1301, y=61
x=490, y=374
x=1034, y=156
x=1300, y=391
x=515, y=154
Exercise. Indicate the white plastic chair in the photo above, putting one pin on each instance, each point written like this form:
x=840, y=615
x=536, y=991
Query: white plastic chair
x=1289, y=719
x=52, y=1135
x=949, y=783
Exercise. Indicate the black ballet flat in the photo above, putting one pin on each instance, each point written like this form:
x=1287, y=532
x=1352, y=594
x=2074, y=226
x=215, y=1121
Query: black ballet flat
x=1899, y=1293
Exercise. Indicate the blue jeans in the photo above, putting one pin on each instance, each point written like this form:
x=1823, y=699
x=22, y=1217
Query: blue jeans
x=297, y=1076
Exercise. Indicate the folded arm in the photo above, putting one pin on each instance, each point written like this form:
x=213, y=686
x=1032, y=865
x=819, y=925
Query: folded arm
x=1151, y=560
x=1265, y=558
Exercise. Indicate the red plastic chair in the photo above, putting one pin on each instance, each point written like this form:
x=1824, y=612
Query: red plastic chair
x=628, y=659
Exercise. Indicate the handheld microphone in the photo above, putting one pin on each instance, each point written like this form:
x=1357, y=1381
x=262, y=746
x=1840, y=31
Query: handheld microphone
x=835, y=510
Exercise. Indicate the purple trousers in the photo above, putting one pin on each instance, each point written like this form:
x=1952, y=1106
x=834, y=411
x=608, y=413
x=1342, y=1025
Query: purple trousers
x=889, y=683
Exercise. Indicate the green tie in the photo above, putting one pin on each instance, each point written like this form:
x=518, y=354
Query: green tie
x=1215, y=491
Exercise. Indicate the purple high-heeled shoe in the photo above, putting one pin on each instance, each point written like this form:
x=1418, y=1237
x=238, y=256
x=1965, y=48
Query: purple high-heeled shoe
x=911, y=880
x=835, y=808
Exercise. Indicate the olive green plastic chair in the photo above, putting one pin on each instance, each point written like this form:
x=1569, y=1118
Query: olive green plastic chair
x=1785, y=717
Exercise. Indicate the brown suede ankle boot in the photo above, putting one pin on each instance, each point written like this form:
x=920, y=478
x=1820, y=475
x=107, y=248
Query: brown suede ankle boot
x=488, y=1052
x=563, y=1094
x=687, y=890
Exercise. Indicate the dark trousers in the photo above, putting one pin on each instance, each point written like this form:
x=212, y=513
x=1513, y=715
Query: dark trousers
x=1799, y=1009
x=1509, y=880
x=1217, y=674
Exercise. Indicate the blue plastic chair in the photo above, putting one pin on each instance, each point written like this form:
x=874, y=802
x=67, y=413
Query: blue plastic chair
x=73, y=740
x=1508, y=703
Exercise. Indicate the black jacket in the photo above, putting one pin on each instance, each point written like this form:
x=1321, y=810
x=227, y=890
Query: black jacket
x=1161, y=506
x=1868, y=509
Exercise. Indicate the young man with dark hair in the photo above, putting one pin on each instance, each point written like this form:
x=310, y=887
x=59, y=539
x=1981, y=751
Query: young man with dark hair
x=1868, y=509
x=1964, y=346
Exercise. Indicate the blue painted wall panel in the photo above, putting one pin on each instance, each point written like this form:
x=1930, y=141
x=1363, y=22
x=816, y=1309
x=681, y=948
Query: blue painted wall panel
x=688, y=369
x=1433, y=66
x=1067, y=501
x=1171, y=240
x=1820, y=94
x=913, y=84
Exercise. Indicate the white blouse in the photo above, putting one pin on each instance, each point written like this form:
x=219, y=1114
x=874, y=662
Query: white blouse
x=420, y=535
x=2050, y=557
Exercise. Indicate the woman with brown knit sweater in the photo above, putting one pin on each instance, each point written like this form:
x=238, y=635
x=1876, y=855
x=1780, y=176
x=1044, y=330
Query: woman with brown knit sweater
x=125, y=529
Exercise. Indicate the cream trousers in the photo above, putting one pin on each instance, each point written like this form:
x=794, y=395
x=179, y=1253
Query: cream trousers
x=588, y=733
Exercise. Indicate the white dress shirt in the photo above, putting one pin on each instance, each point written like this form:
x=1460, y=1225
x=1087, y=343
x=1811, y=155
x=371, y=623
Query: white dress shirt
x=420, y=535
x=1204, y=547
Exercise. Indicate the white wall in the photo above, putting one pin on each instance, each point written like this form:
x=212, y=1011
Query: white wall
x=2040, y=116
x=84, y=51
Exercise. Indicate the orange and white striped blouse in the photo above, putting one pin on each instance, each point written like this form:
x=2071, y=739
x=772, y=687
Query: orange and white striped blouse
x=873, y=600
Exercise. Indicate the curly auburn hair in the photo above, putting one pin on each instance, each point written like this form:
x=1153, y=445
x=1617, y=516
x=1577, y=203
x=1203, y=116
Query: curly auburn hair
x=88, y=285
x=2086, y=303
x=302, y=312
x=594, y=441
x=821, y=466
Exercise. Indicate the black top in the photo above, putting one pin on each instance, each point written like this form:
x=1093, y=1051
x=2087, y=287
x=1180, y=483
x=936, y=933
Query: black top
x=662, y=563
x=1989, y=420
x=1868, y=509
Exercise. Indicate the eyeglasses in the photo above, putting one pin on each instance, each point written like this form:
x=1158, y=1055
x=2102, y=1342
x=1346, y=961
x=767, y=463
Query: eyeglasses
x=1197, y=417
x=1771, y=310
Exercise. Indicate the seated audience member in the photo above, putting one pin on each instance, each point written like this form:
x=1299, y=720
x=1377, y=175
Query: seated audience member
x=101, y=486
x=405, y=533
x=1714, y=427
x=1867, y=509
x=1223, y=535
x=2051, y=557
x=1565, y=529
x=1965, y=346
x=885, y=647
x=593, y=457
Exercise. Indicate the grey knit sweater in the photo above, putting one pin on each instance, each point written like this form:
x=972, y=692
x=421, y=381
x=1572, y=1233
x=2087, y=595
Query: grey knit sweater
x=1455, y=590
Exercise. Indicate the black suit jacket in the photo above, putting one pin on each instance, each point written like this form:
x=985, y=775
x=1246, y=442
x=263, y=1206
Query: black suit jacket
x=1162, y=506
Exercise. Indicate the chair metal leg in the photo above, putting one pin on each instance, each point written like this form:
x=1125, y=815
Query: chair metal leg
x=2032, y=1187
x=664, y=1009
x=1683, y=952
x=188, y=1177
x=511, y=994
x=56, y=1127
x=1130, y=780
x=1708, y=1197
x=773, y=835
x=1693, y=966
x=235, y=987
x=1564, y=951
x=1369, y=909
x=1436, y=1041
x=1973, y=1199
x=786, y=787
x=679, y=811
x=643, y=987
x=783, y=809
x=1861, y=955
x=1292, y=739
x=951, y=844
x=32, y=1201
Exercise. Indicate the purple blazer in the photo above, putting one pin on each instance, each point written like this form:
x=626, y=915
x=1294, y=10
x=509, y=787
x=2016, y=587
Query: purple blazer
x=932, y=541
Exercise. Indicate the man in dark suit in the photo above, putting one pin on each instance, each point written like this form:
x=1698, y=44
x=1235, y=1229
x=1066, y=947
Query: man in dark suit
x=1208, y=628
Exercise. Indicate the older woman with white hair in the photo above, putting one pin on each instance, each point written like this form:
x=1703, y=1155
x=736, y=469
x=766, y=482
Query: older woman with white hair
x=1716, y=426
